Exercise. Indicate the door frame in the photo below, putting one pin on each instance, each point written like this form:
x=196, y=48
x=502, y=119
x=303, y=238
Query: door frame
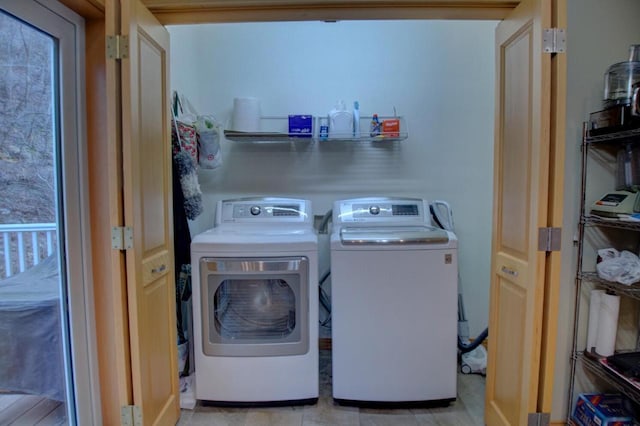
x=104, y=159
x=74, y=236
x=112, y=318
x=555, y=214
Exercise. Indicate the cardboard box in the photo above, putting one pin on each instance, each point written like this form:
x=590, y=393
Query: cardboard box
x=391, y=128
x=301, y=126
x=597, y=409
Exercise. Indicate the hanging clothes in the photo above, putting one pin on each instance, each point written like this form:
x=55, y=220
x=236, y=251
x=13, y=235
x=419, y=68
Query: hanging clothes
x=187, y=204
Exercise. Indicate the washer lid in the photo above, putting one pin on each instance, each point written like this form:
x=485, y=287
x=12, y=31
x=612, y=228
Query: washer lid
x=393, y=235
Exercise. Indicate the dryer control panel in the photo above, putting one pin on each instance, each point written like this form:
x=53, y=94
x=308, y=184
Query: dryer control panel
x=261, y=210
x=396, y=211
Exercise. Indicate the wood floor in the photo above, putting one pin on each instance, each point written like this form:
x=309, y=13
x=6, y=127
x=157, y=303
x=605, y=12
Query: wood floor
x=467, y=410
x=29, y=410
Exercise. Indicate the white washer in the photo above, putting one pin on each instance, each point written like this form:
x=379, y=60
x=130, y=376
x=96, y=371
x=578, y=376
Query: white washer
x=255, y=293
x=394, y=304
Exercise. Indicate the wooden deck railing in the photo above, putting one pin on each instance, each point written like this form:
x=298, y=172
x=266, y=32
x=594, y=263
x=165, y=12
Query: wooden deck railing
x=25, y=245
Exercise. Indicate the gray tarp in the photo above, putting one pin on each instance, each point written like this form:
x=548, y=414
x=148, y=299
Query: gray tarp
x=31, y=357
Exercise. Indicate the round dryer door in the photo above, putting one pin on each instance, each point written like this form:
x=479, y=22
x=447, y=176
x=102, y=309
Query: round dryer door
x=255, y=307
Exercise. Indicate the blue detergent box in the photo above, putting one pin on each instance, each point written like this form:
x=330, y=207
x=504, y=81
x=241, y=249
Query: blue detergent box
x=597, y=409
x=301, y=126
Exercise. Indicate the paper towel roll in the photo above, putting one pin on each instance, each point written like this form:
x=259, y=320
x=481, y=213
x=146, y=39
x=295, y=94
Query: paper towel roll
x=246, y=114
x=607, y=324
x=594, y=317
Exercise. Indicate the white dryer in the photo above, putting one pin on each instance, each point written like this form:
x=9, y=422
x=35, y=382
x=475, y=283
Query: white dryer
x=394, y=304
x=255, y=293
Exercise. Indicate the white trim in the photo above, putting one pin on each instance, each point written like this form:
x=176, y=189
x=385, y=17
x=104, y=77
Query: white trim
x=67, y=27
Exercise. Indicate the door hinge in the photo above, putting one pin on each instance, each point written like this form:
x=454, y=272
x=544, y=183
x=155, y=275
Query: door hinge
x=130, y=415
x=538, y=419
x=121, y=237
x=554, y=40
x=549, y=239
x=117, y=47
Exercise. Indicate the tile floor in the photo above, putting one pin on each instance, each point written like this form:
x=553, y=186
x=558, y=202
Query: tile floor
x=468, y=409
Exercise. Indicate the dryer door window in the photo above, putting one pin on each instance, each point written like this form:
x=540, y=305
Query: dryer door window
x=255, y=307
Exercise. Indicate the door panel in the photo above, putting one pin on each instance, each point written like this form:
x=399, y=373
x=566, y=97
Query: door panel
x=105, y=179
x=147, y=207
x=515, y=167
x=520, y=207
x=509, y=342
x=153, y=185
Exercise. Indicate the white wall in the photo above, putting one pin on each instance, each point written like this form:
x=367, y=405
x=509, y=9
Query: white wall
x=438, y=74
x=599, y=35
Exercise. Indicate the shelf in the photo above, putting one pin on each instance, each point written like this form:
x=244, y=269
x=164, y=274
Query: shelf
x=265, y=137
x=614, y=380
x=286, y=137
x=616, y=137
x=621, y=385
x=275, y=130
x=272, y=129
x=382, y=138
x=365, y=136
x=594, y=220
x=621, y=289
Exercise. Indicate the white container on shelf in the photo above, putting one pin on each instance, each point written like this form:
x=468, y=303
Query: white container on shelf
x=246, y=115
x=340, y=121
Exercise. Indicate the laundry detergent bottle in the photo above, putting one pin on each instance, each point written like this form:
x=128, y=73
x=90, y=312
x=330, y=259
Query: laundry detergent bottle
x=340, y=121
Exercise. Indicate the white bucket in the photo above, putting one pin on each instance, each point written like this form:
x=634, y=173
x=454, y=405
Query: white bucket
x=183, y=353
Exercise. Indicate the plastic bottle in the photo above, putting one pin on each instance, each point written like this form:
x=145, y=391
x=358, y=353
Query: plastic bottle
x=356, y=119
x=324, y=128
x=340, y=121
x=374, y=130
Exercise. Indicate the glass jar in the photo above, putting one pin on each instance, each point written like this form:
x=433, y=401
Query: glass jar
x=620, y=78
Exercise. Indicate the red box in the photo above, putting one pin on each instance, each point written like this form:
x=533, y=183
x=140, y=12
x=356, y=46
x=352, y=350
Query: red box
x=391, y=128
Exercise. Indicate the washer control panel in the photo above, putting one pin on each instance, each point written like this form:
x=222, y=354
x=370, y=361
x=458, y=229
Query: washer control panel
x=383, y=210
